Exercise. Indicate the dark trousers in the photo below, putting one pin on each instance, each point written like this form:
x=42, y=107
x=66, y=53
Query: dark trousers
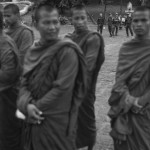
x=128, y=28
x=100, y=29
x=110, y=29
x=116, y=29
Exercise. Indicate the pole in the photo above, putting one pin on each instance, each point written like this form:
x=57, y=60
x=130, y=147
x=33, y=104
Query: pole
x=105, y=8
x=121, y=14
x=121, y=7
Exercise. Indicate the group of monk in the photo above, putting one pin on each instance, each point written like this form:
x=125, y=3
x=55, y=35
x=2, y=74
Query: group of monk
x=51, y=83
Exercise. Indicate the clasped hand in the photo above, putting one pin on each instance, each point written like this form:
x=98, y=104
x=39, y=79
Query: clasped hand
x=34, y=114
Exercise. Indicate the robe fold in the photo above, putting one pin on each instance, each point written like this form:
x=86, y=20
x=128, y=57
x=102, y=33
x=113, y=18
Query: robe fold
x=55, y=81
x=130, y=124
x=92, y=45
x=10, y=126
x=23, y=37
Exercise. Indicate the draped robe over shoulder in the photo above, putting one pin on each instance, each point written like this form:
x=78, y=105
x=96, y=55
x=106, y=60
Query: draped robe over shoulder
x=55, y=81
x=132, y=78
x=23, y=37
x=10, y=126
x=92, y=45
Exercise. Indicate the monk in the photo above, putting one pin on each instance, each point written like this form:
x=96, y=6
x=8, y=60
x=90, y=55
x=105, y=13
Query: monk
x=53, y=86
x=92, y=45
x=130, y=98
x=10, y=126
x=21, y=34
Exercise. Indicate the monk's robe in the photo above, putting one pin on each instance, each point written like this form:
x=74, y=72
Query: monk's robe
x=92, y=45
x=130, y=124
x=54, y=81
x=10, y=126
x=23, y=37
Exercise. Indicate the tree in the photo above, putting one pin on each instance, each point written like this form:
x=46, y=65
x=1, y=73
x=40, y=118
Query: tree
x=145, y=2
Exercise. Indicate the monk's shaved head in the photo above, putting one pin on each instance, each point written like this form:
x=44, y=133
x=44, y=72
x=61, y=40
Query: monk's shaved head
x=44, y=6
x=141, y=22
x=14, y=8
x=1, y=21
x=78, y=7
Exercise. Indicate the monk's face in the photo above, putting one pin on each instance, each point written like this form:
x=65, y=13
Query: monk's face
x=79, y=19
x=10, y=17
x=141, y=23
x=48, y=24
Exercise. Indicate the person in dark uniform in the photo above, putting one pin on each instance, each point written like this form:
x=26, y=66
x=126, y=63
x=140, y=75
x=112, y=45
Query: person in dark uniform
x=100, y=23
x=128, y=23
x=116, y=22
x=110, y=19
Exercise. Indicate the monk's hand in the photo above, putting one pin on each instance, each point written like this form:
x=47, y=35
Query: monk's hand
x=34, y=114
x=130, y=100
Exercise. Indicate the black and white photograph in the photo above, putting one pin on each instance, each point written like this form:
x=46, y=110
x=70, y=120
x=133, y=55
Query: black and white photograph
x=74, y=74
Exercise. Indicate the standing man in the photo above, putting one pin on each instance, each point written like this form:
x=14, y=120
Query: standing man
x=53, y=86
x=21, y=34
x=92, y=45
x=130, y=98
x=116, y=23
x=110, y=19
x=100, y=23
x=10, y=126
x=128, y=23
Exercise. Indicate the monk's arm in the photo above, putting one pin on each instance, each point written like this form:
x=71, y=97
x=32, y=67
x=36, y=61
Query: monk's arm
x=65, y=80
x=24, y=96
x=8, y=63
x=26, y=41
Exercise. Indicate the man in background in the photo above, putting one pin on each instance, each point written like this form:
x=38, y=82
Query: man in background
x=100, y=23
x=110, y=19
x=128, y=23
x=116, y=23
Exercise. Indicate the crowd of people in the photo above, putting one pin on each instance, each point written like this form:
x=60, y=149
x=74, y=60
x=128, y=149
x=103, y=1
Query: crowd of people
x=51, y=83
x=115, y=23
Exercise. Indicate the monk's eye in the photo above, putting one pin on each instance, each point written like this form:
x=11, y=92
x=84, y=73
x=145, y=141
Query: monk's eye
x=55, y=21
x=143, y=20
x=83, y=18
x=76, y=18
x=135, y=21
